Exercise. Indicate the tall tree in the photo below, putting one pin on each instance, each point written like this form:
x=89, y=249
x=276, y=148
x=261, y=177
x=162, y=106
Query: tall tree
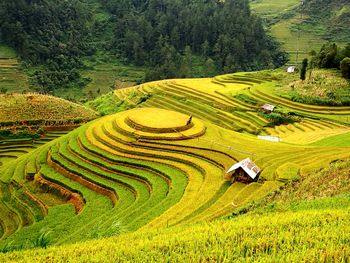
x=303, y=69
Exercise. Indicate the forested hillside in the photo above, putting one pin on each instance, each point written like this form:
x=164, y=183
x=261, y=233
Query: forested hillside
x=157, y=32
x=165, y=36
x=50, y=36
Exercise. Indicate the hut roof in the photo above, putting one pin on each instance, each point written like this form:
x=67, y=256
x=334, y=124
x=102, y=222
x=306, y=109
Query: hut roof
x=248, y=166
x=268, y=107
x=291, y=69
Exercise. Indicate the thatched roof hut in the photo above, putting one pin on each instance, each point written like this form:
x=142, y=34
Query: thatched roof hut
x=244, y=171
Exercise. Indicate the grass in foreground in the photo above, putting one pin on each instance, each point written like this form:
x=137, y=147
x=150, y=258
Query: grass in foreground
x=268, y=237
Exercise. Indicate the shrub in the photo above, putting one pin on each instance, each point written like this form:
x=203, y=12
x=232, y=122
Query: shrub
x=345, y=67
x=3, y=90
x=277, y=118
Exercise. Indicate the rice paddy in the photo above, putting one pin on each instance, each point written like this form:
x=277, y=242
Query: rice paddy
x=162, y=165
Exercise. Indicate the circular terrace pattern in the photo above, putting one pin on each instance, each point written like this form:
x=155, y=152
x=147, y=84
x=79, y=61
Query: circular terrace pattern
x=158, y=124
x=158, y=119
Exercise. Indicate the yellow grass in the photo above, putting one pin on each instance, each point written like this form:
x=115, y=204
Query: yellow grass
x=32, y=107
x=158, y=118
x=8, y=63
x=171, y=131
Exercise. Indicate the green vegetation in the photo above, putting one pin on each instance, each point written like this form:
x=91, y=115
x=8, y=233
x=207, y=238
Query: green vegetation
x=345, y=67
x=107, y=104
x=30, y=120
x=80, y=42
x=53, y=47
x=156, y=38
x=332, y=16
x=7, y=52
x=273, y=9
x=14, y=144
x=150, y=175
x=302, y=28
x=336, y=140
x=304, y=65
x=321, y=87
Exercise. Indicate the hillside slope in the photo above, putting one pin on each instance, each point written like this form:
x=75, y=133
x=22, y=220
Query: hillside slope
x=91, y=40
x=302, y=28
x=261, y=237
x=29, y=120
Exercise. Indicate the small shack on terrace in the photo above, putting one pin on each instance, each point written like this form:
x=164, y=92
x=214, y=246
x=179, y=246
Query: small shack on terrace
x=291, y=69
x=268, y=108
x=245, y=171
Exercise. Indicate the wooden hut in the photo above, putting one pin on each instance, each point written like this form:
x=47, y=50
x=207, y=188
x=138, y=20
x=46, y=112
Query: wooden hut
x=245, y=171
x=291, y=69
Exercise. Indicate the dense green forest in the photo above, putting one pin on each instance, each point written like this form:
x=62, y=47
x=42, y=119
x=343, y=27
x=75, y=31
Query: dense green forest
x=53, y=36
x=50, y=35
x=158, y=32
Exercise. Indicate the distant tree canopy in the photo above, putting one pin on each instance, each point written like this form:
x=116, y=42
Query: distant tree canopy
x=163, y=35
x=157, y=33
x=49, y=32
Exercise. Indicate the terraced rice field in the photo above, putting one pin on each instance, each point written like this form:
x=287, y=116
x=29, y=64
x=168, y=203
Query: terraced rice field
x=219, y=100
x=11, y=149
x=145, y=168
x=12, y=77
x=269, y=237
x=149, y=168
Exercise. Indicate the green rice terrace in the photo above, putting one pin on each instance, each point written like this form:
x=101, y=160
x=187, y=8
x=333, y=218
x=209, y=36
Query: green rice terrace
x=28, y=121
x=147, y=173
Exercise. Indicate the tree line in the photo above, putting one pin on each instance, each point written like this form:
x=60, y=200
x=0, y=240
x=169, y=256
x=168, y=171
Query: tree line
x=332, y=56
